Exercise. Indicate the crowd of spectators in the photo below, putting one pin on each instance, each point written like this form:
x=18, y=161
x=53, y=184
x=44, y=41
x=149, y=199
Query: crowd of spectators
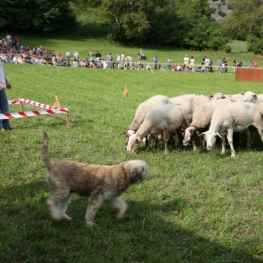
x=12, y=52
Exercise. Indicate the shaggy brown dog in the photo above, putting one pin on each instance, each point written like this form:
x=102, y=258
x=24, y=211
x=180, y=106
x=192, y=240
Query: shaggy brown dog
x=100, y=183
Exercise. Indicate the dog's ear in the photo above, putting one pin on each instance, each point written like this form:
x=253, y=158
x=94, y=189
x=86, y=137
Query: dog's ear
x=140, y=171
x=137, y=170
x=138, y=174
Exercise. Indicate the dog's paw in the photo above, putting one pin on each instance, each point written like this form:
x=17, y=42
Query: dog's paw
x=90, y=223
x=57, y=215
x=66, y=217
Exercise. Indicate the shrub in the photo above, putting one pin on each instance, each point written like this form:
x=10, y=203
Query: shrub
x=227, y=49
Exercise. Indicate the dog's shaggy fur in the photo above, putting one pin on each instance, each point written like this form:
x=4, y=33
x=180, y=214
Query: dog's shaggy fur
x=100, y=183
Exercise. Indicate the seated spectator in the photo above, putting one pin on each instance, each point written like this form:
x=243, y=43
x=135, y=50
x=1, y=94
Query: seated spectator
x=82, y=63
x=37, y=60
x=199, y=69
x=14, y=59
x=120, y=66
x=75, y=63
x=20, y=60
x=161, y=67
x=141, y=66
x=148, y=67
x=54, y=62
x=179, y=68
x=105, y=64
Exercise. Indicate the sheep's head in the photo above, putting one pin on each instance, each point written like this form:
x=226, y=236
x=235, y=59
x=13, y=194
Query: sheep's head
x=188, y=135
x=217, y=96
x=134, y=142
x=127, y=136
x=210, y=138
x=250, y=96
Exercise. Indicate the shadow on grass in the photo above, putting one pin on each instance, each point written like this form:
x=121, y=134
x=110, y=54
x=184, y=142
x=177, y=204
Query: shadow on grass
x=28, y=234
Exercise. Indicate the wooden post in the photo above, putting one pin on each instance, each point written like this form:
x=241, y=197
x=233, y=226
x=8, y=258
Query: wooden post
x=58, y=106
x=21, y=105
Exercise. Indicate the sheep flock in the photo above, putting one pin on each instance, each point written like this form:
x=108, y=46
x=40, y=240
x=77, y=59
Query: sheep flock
x=196, y=120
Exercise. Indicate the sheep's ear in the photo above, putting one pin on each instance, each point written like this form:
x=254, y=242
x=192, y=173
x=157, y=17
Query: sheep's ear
x=138, y=137
x=201, y=134
x=210, y=97
x=218, y=134
x=123, y=133
x=242, y=93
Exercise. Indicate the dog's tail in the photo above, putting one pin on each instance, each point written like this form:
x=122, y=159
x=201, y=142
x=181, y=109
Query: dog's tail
x=44, y=153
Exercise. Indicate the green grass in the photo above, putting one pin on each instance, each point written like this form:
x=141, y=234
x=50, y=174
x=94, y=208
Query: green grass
x=193, y=206
x=238, y=46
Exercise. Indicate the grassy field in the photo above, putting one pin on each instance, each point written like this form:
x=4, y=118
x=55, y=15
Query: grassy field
x=192, y=207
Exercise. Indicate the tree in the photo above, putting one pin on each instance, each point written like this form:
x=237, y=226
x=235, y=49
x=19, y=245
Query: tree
x=44, y=15
x=246, y=19
x=180, y=23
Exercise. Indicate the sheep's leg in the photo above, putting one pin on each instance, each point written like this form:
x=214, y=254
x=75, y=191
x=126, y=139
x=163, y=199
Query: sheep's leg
x=177, y=138
x=230, y=141
x=165, y=140
x=223, y=142
x=149, y=141
x=253, y=136
x=156, y=142
x=248, y=138
x=260, y=132
x=194, y=145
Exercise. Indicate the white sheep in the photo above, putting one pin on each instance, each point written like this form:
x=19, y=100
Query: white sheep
x=230, y=118
x=248, y=96
x=165, y=119
x=201, y=119
x=190, y=102
x=141, y=112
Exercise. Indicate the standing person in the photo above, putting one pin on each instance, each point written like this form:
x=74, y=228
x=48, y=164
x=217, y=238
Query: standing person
x=4, y=124
x=16, y=42
x=97, y=55
x=155, y=61
x=122, y=57
x=226, y=65
x=207, y=64
x=8, y=38
x=76, y=55
x=192, y=63
x=219, y=65
x=169, y=63
x=186, y=60
x=68, y=55
x=234, y=66
x=255, y=64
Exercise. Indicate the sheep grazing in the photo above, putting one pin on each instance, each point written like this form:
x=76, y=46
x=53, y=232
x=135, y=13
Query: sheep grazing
x=248, y=96
x=165, y=119
x=190, y=102
x=201, y=119
x=234, y=117
x=141, y=112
